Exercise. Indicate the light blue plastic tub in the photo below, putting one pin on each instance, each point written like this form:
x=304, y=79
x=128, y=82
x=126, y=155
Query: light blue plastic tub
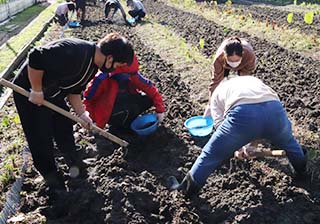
x=199, y=125
x=145, y=124
x=74, y=24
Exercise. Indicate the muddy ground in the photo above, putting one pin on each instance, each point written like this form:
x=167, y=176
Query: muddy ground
x=131, y=187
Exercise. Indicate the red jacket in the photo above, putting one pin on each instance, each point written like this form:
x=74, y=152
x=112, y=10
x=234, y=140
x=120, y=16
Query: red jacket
x=102, y=91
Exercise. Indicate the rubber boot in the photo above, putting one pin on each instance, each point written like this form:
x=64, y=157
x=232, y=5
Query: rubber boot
x=188, y=186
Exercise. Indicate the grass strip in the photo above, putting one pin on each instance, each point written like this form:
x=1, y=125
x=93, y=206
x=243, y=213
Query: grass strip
x=22, y=18
x=10, y=50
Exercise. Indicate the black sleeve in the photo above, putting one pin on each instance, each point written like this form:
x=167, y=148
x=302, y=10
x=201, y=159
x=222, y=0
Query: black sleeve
x=78, y=90
x=45, y=58
x=36, y=59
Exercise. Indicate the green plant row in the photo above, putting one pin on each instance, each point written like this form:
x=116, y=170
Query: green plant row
x=308, y=17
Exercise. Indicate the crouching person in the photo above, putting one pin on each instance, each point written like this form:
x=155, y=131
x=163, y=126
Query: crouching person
x=117, y=97
x=114, y=5
x=244, y=109
x=137, y=11
x=61, y=14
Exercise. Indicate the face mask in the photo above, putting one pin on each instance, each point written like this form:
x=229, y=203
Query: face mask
x=234, y=64
x=106, y=70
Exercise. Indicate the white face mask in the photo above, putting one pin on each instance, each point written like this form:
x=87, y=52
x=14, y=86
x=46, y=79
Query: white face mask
x=234, y=64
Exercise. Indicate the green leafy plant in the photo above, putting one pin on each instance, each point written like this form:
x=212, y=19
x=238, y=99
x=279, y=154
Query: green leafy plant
x=201, y=43
x=5, y=121
x=228, y=3
x=308, y=17
x=290, y=17
x=16, y=119
x=7, y=174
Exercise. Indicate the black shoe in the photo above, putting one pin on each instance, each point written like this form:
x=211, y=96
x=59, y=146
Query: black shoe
x=188, y=186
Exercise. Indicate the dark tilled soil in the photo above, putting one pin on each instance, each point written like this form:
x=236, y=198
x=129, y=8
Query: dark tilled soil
x=131, y=187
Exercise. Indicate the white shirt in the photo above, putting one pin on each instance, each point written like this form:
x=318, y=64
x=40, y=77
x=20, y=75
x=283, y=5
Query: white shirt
x=137, y=5
x=237, y=91
x=62, y=9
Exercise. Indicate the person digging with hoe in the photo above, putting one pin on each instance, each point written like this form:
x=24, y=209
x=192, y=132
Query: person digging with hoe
x=244, y=109
x=56, y=72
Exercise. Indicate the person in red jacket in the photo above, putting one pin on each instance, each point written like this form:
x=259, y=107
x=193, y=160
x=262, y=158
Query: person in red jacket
x=118, y=97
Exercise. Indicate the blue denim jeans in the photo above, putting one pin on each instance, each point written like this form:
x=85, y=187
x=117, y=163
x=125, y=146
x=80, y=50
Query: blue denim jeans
x=243, y=124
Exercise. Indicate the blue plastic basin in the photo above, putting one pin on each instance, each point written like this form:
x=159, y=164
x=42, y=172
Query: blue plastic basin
x=199, y=126
x=74, y=24
x=131, y=20
x=145, y=124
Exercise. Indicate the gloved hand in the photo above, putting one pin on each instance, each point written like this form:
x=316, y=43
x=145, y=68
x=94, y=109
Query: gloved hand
x=85, y=116
x=160, y=117
x=245, y=152
x=36, y=97
x=207, y=112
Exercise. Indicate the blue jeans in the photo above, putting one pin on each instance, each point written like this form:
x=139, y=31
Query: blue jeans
x=243, y=124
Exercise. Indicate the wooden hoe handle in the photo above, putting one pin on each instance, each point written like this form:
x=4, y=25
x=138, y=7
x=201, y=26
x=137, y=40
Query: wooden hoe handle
x=274, y=153
x=65, y=113
x=256, y=154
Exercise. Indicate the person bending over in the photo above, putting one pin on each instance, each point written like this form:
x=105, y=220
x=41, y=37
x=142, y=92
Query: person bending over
x=244, y=109
x=56, y=72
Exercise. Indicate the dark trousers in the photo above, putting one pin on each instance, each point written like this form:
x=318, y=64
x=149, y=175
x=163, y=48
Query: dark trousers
x=108, y=8
x=41, y=126
x=137, y=13
x=128, y=107
x=62, y=20
x=81, y=6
